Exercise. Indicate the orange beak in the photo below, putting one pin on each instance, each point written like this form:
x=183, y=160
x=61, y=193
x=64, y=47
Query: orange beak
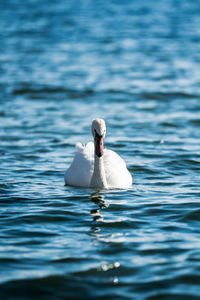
x=98, y=145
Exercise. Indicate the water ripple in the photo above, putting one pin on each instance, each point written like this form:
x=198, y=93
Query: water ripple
x=137, y=66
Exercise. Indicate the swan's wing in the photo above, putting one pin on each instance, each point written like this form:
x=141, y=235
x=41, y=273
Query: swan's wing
x=117, y=174
x=81, y=169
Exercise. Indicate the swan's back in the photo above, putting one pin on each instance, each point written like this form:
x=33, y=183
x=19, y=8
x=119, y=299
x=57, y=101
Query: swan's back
x=81, y=170
x=117, y=175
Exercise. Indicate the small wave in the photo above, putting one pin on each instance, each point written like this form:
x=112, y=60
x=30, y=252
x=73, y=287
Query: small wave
x=49, y=92
x=167, y=96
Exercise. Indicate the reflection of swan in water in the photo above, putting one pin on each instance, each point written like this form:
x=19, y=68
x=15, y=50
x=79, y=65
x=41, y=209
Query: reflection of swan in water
x=96, y=167
x=98, y=199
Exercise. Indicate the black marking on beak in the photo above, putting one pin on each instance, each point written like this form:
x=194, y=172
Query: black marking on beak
x=98, y=144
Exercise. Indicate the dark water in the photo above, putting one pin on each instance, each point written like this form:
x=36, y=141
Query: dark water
x=137, y=65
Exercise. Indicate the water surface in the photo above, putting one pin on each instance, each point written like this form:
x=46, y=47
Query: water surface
x=137, y=66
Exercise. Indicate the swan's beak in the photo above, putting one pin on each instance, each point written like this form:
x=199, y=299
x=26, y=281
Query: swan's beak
x=98, y=145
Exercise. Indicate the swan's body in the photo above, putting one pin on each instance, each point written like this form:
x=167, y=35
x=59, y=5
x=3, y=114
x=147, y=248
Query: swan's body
x=96, y=167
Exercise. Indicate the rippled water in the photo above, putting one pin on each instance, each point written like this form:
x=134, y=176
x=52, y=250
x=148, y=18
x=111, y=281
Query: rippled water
x=136, y=64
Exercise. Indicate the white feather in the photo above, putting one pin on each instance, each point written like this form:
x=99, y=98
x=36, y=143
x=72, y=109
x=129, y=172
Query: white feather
x=81, y=170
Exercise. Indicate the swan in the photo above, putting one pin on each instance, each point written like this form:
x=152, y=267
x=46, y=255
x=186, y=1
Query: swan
x=96, y=167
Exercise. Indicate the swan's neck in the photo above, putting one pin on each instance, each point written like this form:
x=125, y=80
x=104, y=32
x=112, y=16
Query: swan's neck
x=99, y=177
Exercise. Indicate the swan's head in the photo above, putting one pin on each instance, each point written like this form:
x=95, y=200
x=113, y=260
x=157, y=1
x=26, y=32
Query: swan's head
x=99, y=132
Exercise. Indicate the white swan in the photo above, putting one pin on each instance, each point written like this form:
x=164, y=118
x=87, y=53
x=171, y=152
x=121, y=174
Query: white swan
x=96, y=167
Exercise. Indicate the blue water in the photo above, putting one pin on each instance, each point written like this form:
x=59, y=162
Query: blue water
x=136, y=64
